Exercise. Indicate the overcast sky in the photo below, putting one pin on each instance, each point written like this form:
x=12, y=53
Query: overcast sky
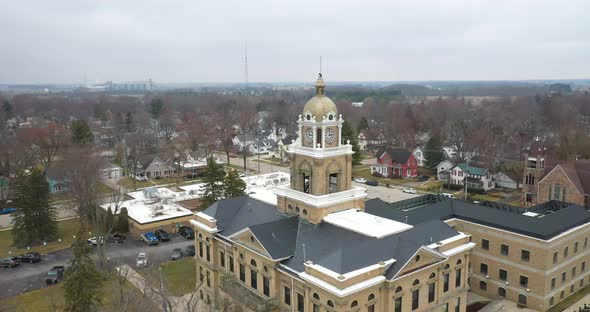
x=203, y=41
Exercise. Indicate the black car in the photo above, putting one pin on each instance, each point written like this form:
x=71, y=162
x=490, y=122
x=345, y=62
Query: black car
x=162, y=235
x=190, y=250
x=423, y=178
x=30, y=257
x=372, y=183
x=186, y=232
x=9, y=262
x=55, y=275
x=116, y=238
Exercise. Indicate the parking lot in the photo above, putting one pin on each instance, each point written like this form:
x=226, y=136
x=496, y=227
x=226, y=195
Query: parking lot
x=30, y=276
x=388, y=194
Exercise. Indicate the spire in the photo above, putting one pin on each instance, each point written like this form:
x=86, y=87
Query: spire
x=320, y=86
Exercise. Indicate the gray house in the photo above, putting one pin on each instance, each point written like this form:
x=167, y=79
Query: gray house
x=152, y=167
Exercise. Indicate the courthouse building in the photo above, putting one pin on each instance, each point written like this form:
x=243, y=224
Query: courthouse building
x=323, y=247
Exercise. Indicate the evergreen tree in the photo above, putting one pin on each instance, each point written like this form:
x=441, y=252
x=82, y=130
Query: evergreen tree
x=81, y=132
x=34, y=219
x=156, y=107
x=82, y=281
x=213, y=182
x=129, y=125
x=349, y=134
x=233, y=185
x=433, y=153
x=363, y=124
x=123, y=221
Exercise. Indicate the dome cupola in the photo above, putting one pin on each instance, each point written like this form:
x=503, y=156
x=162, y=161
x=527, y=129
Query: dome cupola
x=320, y=105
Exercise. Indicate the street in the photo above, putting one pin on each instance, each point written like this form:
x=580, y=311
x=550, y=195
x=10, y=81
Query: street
x=31, y=276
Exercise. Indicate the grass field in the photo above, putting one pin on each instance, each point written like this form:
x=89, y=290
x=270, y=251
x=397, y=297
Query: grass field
x=179, y=276
x=52, y=299
x=66, y=230
x=365, y=172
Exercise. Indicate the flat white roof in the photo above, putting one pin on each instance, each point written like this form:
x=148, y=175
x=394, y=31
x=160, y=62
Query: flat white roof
x=150, y=210
x=530, y=214
x=261, y=187
x=366, y=224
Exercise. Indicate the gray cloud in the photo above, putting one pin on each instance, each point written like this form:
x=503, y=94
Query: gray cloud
x=203, y=41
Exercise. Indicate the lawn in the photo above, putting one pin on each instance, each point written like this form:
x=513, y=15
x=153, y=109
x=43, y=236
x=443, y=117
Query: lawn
x=66, y=231
x=102, y=188
x=366, y=173
x=569, y=301
x=179, y=276
x=270, y=161
x=127, y=182
x=52, y=299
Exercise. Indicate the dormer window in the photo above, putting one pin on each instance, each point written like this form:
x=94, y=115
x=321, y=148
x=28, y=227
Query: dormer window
x=308, y=116
x=331, y=117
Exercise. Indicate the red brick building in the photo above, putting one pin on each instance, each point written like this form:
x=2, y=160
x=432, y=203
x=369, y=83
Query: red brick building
x=395, y=163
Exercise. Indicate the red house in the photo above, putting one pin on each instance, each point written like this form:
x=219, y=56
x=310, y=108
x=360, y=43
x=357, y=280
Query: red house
x=395, y=163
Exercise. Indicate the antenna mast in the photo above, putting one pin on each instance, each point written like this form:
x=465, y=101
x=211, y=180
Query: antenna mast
x=246, y=64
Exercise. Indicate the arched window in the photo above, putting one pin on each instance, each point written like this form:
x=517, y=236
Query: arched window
x=552, y=301
x=562, y=294
x=432, y=275
x=416, y=282
x=316, y=296
x=354, y=304
x=305, y=212
x=330, y=304
x=501, y=292
x=398, y=289
x=319, y=137
x=253, y=262
x=296, y=209
x=458, y=261
x=447, y=266
x=371, y=297
x=522, y=299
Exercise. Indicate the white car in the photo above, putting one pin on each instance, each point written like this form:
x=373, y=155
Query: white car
x=142, y=260
x=409, y=190
x=93, y=241
x=360, y=180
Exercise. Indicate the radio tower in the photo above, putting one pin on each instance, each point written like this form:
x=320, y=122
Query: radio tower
x=246, y=64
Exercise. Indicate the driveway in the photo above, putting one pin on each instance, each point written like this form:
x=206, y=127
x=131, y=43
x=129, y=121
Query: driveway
x=27, y=277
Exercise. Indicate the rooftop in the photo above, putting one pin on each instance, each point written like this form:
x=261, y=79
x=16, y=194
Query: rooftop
x=150, y=210
x=363, y=223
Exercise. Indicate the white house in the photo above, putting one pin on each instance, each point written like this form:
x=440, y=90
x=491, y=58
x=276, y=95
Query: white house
x=477, y=178
x=507, y=180
x=280, y=151
x=111, y=172
x=442, y=168
x=419, y=155
x=450, y=152
x=371, y=138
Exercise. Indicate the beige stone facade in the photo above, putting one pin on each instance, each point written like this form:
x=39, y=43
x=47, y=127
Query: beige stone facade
x=557, y=185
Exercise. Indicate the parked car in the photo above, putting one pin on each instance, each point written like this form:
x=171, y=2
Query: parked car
x=116, y=238
x=190, y=250
x=447, y=195
x=176, y=254
x=7, y=210
x=423, y=178
x=9, y=262
x=186, y=231
x=241, y=175
x=142, y=260
x=409, y=190
x=55, y=275
x=150, y=238
x=372, y=183
x=360, y=180
x=94, y=241
x=30, y=257
x=162, y=235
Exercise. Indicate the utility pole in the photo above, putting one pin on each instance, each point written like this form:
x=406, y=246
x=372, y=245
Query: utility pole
x=466, y=176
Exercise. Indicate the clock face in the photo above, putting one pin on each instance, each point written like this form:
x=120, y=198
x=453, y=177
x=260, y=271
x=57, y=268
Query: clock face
x=309, y=135
x=330, y=135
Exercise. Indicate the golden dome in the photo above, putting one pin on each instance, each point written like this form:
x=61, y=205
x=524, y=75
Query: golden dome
x=319, y=105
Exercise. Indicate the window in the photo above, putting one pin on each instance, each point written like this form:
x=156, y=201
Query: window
x=208, y=278
x=371, y=297
x=458, y=304
x=253, y=279
x=371, y=308
x=575, y=247
x=483, y=268
x=586, y=242
x=231, y=263
x=354, y=304
x=504, y=249
x=315, y=307
x=501, y=292
x=201, y=249
x=222, y=259
x=397, y=304
x=415, y=299
x=458, y=278
x=253, y=263
x=431, y=292
x=525, y=255
x=524, y=281
x=503, y=275
x=485, y=244
x=562, y=294
x=483, y=285
x=573, y=272
x=522, y=299
x=556, y=192
x=563, y=277
x=552, y=301
x=446, y=282
x=300, y=303
x=330, y=303
x=553, y=283
x=572, y=288
x=201, y=276
x=581, y=283
x=555, y=257
x=208, y=249
x=287, y=295
x=242, y=273
x=265, y=286
x=583, y=266
x=333, y=183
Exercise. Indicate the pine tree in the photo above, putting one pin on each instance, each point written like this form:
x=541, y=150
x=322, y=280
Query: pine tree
x=433, y=154
x=348, y=134
x=34, y=219
x=363, y=124
x=129, y=125
x=82, y=281
x=81, y=132
x=123, y=221
x=213, y=182
x=233, y=185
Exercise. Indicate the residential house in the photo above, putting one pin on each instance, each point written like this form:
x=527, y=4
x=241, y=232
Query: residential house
x=261, y=146
x=395, y=163
x=450, y=152
x=443, y=169
x=151, y=167
x=419, y=155
x=280, y=151
x=509, y=178
x=477, y=178
x=57, y=179
x=111, y=172
x=371, y=139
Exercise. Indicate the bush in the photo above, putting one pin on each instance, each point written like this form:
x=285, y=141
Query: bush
x=377, y=174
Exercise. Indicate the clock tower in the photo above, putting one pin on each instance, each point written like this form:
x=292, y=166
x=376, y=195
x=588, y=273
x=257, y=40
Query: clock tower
x=321, y=164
